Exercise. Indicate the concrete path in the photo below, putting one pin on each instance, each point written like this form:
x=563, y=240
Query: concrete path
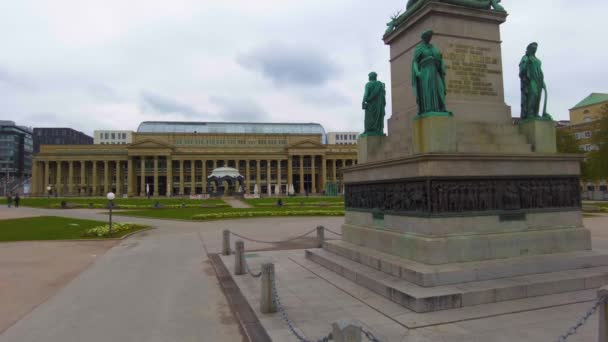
x=155, y=286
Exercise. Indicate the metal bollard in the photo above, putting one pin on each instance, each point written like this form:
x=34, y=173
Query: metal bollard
x=346, y=331
x=226, y=243
x=267, y=302
x=239, y=258
x=603, y=316
x=320, y=236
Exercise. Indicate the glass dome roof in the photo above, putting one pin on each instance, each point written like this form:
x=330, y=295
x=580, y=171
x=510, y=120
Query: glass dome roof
x=231, y=128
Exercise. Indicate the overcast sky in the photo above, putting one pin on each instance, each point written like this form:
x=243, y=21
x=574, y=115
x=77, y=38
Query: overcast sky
x=110, y=64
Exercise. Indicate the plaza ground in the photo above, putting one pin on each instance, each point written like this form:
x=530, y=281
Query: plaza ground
x=159, y=286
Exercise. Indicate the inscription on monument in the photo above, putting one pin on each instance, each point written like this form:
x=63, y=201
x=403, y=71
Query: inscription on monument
x=468, y=69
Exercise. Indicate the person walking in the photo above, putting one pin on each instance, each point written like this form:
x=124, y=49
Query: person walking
x=17, y=200
x=9, y=200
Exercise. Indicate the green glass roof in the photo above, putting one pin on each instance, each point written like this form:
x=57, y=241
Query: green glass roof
x=592, y=99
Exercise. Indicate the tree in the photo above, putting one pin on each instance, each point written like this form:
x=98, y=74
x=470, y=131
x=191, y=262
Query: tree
x=597, y=161
x=566, y=143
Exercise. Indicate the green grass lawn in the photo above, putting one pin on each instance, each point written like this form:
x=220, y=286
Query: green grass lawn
x=298, y=202
x=204, y=214
x=51, y=228
x=128, y=203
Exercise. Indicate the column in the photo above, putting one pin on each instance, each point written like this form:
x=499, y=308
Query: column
x=71, y=178
x=118, y=179
x=169, y=176
x=155, y=176
x=323, y=173
x=214, y=164
x=302, y=175
x=248, y=175
x=289, y=173
x=35, y=178
x=106, y=177
x=268, y=176
x=334, y=171
x=279, y=181
x=83, y=183
x=313, y=170
x=94, y=187
x=142, y=184
x=47, y=174
x=258, y=175
x=130, y=178
x=58, y=186
x=193, y=182
x=204, y=176
x=181, y=178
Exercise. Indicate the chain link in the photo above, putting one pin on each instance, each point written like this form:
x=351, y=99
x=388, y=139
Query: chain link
x=288, y=321
x=370, y=336
x=572, y=331
x=273, y=242
x=331, y=231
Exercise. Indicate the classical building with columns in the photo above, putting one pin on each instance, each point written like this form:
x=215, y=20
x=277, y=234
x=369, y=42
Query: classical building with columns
x=176, y=158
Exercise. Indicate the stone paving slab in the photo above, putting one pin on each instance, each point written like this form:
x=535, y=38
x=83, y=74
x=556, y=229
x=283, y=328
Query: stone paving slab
x=314, y=297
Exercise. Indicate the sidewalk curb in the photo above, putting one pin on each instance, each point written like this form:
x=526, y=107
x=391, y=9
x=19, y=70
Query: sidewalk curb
x=248, y=321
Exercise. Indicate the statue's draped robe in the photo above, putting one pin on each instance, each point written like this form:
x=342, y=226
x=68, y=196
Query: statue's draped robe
x=429, y=88
x=532, y=83
x=374, y=101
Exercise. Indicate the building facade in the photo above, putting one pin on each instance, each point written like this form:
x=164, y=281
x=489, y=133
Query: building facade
x=113, y=137
x=169, y=159
x=16, y=149
x=342, y=138
x=59, y=136
x=584, y=122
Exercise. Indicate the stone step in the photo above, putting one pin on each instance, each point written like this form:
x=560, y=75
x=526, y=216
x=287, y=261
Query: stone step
x=494, y=148
x=430, y=299
x=448, y=274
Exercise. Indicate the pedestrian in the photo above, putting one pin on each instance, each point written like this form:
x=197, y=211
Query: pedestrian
x=17, y=200
x=9, y=200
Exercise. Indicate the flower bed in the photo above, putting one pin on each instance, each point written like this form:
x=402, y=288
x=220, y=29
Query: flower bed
x=118, y=229
x=245, y=214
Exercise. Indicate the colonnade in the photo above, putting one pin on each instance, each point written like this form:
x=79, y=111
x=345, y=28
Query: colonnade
x=170, y=175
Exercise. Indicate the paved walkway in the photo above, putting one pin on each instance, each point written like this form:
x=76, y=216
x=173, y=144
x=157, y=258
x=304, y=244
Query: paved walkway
x=155, y=286
x=236, y=203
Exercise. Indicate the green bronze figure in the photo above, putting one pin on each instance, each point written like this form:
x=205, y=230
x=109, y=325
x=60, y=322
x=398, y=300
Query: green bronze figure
x=374, y=104
x=415, y=5
x=532, y=85
x=428, y=77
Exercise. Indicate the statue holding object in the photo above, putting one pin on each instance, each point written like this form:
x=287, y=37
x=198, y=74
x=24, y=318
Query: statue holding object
x=532, y=85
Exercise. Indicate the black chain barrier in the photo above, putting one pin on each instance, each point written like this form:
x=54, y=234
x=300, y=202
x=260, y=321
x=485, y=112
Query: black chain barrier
x=583, y=320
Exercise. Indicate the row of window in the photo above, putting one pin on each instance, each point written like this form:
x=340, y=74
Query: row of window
x=113, y=143
x=346, y=137
x=113, y=136
x=583, y=135
x=589, y=148
x=346, y=143
x=601, y=188
x=230, y=142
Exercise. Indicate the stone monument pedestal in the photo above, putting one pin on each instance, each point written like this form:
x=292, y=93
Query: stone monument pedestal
x=466, y=209
x=371, y=148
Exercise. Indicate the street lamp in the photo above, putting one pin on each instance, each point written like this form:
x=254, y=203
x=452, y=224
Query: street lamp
x=48, y=191
x=110, y=198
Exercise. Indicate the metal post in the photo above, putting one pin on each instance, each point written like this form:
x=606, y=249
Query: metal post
x=320, y=236
x=226, y=243
x=603, y=316
x=346, y=331
x=111, y=206
x=239, y=258
x=267, y=301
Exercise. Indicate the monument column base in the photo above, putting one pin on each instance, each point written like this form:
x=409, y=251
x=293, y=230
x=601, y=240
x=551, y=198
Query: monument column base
x=540, y=133
x=434, y=133
x=370, y=148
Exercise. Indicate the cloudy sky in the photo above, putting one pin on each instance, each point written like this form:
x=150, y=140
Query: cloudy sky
x=110, y=64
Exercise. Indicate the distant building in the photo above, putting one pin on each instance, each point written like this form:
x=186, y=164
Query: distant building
x=342, y=138
x=59, y=136
x=16, y=148
x=584, y=122
x=113, y=137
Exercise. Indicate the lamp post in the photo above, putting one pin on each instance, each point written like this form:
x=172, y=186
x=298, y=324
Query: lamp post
x=111, y=197
x=48, y=191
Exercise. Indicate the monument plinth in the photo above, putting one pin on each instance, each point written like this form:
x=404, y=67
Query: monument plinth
x=460, y=207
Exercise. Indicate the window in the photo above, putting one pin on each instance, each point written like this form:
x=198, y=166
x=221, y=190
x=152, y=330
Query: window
x=588, y=134
x=587, y=119
x=107, y=136
x=124, y=136
x=590, y=188
x=604, y=188
x=113, y=135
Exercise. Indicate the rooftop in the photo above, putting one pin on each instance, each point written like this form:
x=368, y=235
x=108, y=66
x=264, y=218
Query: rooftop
x=231, y=128
x=592, y=99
